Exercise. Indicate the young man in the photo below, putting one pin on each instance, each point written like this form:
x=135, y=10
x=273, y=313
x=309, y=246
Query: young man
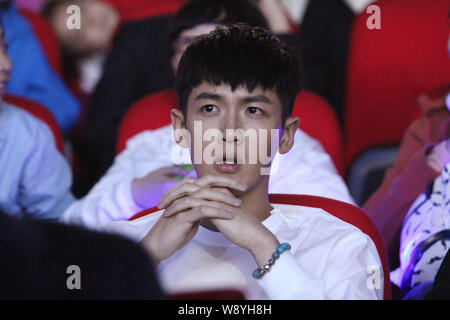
x=140, y=63
x=214, y=231
x=35, y=178
x=146, y=169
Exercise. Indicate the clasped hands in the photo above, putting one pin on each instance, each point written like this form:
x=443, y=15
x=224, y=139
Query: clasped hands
x=207, y=199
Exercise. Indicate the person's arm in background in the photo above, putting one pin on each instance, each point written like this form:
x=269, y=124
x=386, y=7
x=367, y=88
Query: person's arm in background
x=417, y=165
x=138, y=178
x=46, y=177
x=275, y=14
x=32, y=76
x=278, y=21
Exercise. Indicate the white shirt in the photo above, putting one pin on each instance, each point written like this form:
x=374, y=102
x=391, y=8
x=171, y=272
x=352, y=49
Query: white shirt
x=305, y=169
x=329, y=259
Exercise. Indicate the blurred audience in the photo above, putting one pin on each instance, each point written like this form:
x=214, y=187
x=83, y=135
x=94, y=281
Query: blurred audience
x=36, y=179
x=103, y=21
x=32, y=76
x=411, y=205
x=115, y=58
x=147, y=168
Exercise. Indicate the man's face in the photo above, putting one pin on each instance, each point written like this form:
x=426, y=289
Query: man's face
x=237, y=132
x=185, y=38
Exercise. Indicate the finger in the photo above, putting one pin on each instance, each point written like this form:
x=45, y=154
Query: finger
x=220, y=181
x=217, y=195
x=180, y=190
x=186, y=203
x=222, y=195
x=205, y=211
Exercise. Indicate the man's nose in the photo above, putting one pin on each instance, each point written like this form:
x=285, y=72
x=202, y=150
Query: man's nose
x=231, y=129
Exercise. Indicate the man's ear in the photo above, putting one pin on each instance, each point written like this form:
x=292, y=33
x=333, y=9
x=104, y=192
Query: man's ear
x=180, y=132
x=287, y=139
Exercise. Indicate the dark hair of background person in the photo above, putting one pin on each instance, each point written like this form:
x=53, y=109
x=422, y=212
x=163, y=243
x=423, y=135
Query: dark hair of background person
x=240, y=55
x=197, y=12
x=36, y=257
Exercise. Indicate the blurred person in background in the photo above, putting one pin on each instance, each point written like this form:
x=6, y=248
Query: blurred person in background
x=32, y=76
x=411, y=207
x=325, y=29
x=116, y=37
x=35, y=178
x=43, y=260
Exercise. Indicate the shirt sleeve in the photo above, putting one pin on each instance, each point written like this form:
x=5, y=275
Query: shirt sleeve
x=345, y=276
x=110, y=199
x=47, y=178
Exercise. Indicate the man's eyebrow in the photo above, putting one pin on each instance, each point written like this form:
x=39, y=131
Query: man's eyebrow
x=207, y=96
x=258, y=98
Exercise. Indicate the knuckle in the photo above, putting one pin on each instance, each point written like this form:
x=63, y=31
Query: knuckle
x=204, y=210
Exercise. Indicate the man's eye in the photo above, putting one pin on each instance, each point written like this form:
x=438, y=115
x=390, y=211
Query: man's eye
x=254, y=110
x=209, y=108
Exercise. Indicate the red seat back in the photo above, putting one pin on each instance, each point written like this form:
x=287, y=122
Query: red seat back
x=341, y=210
x=41, y=113
x=390, y=67
x=149, y=113
x=319, y=120
x=316, y=118
x=46, y=38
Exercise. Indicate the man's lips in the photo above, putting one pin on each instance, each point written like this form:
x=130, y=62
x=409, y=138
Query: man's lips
x=227, y=167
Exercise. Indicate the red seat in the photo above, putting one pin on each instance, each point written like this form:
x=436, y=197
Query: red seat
x=39, y=112
x=319, y=120
x=316, y=118
x=390, y=67
x=46, y=38
x=344, y=211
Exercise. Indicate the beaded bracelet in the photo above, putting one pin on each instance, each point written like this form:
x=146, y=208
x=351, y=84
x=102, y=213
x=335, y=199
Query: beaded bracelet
x=259, y=272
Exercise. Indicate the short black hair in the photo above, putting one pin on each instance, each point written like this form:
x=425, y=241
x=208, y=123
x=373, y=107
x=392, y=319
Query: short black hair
x=223, y=12
x=240, y=55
